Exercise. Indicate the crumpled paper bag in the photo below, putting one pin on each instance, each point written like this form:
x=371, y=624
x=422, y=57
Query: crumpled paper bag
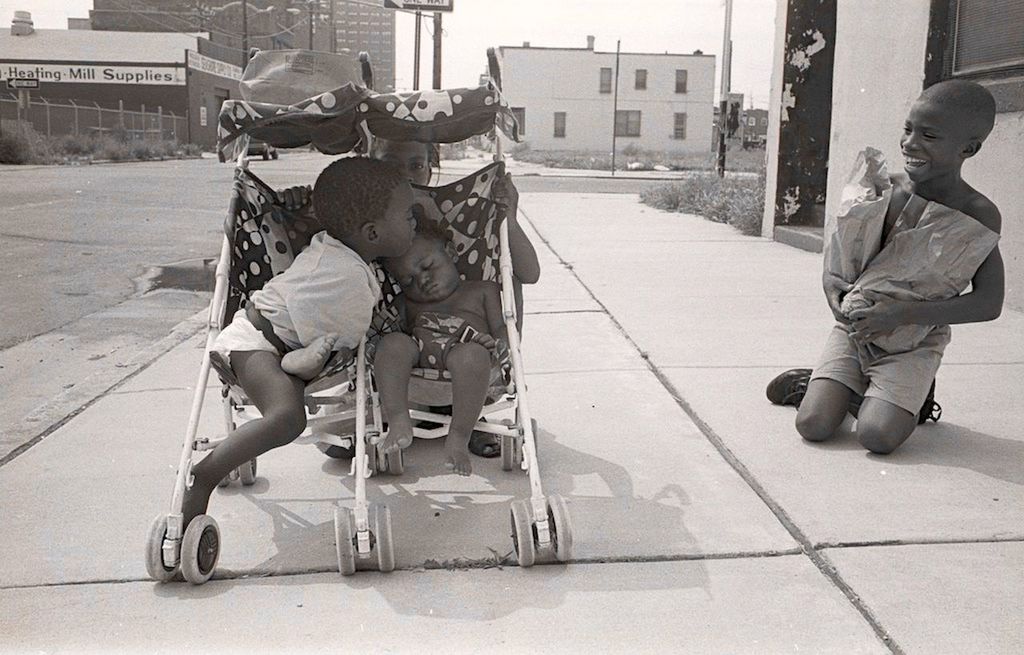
x=935, y=260
x=862, y=206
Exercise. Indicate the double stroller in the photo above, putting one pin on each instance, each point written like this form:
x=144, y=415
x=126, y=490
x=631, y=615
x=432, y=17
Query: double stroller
x=263, y=236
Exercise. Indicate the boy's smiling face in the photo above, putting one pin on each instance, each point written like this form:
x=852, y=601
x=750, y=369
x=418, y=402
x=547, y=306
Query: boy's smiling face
x=935, y=142
x=426, y=271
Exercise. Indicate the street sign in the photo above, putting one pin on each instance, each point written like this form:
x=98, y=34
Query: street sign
x=420, y=5
x=22, y=83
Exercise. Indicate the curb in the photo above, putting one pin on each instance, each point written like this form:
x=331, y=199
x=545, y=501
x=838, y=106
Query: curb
x=51, y=415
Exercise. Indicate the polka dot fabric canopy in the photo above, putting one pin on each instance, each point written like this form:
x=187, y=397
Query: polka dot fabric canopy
x=334, y=122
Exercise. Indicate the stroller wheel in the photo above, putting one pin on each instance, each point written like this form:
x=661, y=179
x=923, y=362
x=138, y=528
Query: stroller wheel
x=154, y=551
x=385, y=547
x=511, y=452
x=561, y=528
x=344, y=539
x=394, y=462
x=247, y=473
x=523, y=533
x=200, y=549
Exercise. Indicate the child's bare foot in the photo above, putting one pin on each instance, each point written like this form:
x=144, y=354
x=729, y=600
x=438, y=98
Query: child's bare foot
x=306, y=363
x=399, y=435
x=456, y=455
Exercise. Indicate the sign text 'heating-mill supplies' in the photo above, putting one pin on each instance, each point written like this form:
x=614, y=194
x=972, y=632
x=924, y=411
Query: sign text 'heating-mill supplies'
x=92, y=74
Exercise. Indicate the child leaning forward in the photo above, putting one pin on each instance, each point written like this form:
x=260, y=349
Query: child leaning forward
x=322, y=302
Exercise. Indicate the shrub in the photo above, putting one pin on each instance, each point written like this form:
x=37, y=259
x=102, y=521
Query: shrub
x=20, y=144
x=738, y=201
x=633, y=150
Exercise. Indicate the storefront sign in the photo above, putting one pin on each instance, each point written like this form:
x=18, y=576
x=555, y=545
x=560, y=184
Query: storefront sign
x=212, y=66
x=94, y=74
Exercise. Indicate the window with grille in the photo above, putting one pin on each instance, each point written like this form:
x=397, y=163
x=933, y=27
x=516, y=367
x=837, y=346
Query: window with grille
x=679, y=127
x=680, y=81
x=560, y=124
x=606, y=80
x=627, y=122
x=641, y=79
x=986, y=36
x=520, y=115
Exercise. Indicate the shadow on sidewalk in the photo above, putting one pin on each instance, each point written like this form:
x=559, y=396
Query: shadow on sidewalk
x=443, y=522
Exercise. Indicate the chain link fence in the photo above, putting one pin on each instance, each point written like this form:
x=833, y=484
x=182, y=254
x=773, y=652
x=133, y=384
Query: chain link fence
x=68, y=117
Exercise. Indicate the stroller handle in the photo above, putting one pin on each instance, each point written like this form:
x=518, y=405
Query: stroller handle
x=493, y=68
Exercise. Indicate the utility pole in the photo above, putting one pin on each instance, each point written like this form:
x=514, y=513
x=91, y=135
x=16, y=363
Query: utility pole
x=245, y=33
x=309, y=4
x=437, y=50
x=334, y=31
x=416, y=54
x=723, y=104
x=615, y=104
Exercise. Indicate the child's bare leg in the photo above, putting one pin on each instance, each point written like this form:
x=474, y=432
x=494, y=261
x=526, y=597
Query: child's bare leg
x=306, y=363
x=397, y=354
x=279, y=399
x=883, y=426
x=823, y=409
x=470, y=366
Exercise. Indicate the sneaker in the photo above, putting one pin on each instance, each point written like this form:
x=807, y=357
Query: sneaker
x=930, y=409
x=789, y=387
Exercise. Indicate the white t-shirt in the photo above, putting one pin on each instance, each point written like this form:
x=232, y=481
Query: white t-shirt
x=327, y=289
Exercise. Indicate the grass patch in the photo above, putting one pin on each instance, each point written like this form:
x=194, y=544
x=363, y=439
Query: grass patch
x=20, y=144
x=632, y=157
x=738, y=201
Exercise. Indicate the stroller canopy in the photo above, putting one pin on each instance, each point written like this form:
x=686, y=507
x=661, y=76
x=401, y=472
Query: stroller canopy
x=333, y=122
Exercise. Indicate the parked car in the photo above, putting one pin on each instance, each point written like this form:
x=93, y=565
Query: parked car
x=262, y=149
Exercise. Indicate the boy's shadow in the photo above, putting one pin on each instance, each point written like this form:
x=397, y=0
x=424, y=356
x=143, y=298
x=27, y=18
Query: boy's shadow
x=441, y=521
x=955, y=446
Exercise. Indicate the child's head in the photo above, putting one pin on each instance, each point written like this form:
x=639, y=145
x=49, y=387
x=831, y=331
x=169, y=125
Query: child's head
x=367, y=204
x=415, y=159
x=426, y=271
x=946, y=125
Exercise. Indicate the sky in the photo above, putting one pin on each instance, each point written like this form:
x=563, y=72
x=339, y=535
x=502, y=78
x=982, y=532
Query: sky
x=677, y=26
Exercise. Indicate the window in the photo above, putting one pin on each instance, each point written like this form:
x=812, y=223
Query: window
x=520, y=115
x=679, y=127
x=560, y=124
x=680, y=81
x=751, y=121
x=627, y=122
x=986, y=36
x=764, y=121
x=641, y=78
x=606, y=80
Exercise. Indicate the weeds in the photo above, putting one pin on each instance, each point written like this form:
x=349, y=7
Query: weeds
x=738, y=201
x=20, y=144
x=633, y=157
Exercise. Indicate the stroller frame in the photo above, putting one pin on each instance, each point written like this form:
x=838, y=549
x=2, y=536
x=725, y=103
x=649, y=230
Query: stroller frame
x=363, y=532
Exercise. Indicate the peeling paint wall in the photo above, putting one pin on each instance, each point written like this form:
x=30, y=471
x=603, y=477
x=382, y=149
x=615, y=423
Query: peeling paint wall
x=805, y=106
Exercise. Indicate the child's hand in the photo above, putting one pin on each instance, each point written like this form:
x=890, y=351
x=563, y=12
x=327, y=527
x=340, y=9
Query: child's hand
x=296, y=197
x=883, y=315
x=506, y=193
x=835, y=288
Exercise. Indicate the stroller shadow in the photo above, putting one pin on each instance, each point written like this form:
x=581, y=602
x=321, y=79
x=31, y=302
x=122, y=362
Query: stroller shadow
x=454, y=524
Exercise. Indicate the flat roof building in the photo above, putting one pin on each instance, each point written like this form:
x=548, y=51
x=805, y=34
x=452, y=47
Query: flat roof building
x=564, y=98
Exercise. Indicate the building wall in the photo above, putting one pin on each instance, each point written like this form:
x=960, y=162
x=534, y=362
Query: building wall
x=548, y=80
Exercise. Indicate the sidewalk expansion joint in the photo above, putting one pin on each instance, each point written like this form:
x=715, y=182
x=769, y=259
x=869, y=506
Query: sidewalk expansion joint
x=938, y=541
x=817, y=558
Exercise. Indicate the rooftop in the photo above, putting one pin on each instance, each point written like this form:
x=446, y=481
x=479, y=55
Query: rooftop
x=96, y=46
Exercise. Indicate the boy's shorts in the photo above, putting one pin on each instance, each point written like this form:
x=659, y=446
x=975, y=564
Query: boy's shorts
x=240, y=336
x=902, y=379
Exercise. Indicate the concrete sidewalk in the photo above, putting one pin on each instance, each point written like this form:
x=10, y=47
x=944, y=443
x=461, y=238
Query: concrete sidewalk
x=703, y=524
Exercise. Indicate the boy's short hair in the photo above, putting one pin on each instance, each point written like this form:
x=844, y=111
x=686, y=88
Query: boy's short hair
x=352, y=192
x=971, y=101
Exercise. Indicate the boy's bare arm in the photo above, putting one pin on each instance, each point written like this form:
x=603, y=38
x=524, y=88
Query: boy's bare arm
x=525, y=266
x=983, y=303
